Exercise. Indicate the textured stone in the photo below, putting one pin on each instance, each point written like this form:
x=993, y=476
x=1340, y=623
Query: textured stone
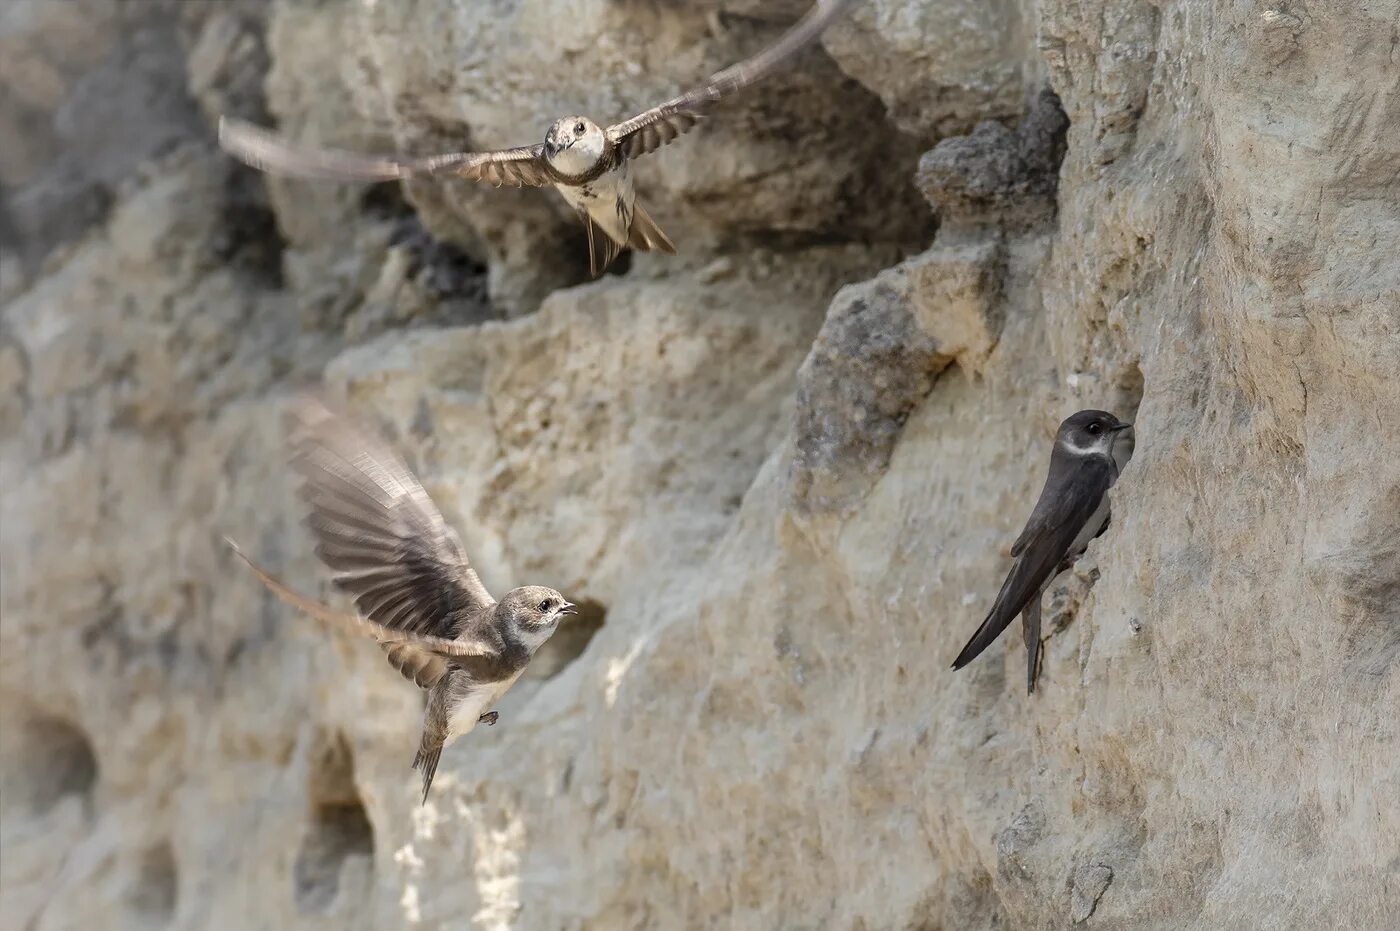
x=1090, y=883
x=939, y=66
x=783, y=479
x=995, y=173
x=77, y=79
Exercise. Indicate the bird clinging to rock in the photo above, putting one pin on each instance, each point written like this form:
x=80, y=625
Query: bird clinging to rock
x=1091, y=448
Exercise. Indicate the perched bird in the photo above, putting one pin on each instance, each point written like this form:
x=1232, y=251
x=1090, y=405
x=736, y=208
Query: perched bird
x=586, y=163
x=1091, y=448
x=389, y=547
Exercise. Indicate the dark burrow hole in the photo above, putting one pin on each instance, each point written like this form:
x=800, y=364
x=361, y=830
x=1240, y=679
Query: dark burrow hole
x=452, y=280
x=339, y=830
x=385, y=202
x=248, y=239
x=569, y=641
x=1128, y=385
x=46, y=759
x=444, y=271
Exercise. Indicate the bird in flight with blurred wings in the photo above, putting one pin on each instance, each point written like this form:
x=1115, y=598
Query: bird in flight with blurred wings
x=586, y=163
x=389, y=547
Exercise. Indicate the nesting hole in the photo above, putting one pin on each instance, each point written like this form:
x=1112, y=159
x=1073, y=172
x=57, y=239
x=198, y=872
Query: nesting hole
x=453, y=284
x=1128, y=386
x=569, y=641
x=249, y=239
x=46, y=759
x=338, y=834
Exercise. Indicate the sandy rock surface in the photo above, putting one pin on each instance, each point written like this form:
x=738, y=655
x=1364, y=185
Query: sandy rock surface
x=780, y=471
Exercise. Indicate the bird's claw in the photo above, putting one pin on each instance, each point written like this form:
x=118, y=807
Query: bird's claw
x=489, y=718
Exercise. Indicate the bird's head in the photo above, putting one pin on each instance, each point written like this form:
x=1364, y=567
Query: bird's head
x=574, y=144
x=1097, y=433
x=536, y=609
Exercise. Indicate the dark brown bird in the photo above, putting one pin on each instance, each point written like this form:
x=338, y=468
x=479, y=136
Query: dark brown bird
x=1091, y=448
x=585, y=163
x=389, y=547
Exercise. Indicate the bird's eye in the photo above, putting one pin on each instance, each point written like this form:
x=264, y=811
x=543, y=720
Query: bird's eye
x=578, y=128
x=544, y=605
x=1094, y=429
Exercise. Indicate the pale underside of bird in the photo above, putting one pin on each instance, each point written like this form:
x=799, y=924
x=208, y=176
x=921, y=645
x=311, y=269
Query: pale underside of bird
x=1091, y=448
x=416, y=594
x=586, y=163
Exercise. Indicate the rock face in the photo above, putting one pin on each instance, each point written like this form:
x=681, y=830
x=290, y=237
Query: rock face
x=781, y=470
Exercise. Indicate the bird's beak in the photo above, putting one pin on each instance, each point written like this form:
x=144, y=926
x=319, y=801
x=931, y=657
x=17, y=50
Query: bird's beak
x=1121, y=427
x=568, y=610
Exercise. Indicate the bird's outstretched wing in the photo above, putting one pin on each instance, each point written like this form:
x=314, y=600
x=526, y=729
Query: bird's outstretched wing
x=378, y=530
x=266, y=151
x=437, y=646
x=1060, y=514
x=650, y=130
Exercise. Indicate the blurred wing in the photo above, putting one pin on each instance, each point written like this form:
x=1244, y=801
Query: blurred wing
x=378, y=530
x=415, y=664
x=266, y=151
x=649, y=131
x=438, y=646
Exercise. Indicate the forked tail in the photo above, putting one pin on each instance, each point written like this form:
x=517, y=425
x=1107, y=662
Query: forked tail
x=426, y=762
x=645, y=235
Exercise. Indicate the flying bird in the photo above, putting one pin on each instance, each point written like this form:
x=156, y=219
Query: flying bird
x=1091, y=448
x=585, y=162
x=417, y=595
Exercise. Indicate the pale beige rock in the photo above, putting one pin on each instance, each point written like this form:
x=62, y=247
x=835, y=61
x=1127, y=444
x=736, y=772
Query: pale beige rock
x=782, y=480
x=940, y=66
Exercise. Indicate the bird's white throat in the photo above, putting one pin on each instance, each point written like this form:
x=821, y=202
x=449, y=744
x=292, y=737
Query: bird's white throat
x=579, y=157
x=534, y=637
x=1115, y=446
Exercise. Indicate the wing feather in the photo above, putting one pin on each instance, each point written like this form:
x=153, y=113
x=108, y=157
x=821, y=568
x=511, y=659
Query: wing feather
x=377, y=529
x=266, y=151
x=654, y=128
x=420, y=667
x=438, y=646
x=1060, y=514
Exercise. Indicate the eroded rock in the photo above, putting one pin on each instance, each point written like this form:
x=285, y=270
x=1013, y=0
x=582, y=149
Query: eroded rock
x=784, y=467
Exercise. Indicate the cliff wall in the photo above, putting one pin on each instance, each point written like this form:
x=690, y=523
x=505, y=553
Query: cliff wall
x=782, y=470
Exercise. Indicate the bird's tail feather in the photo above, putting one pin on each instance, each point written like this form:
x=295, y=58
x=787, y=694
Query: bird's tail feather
x=996, y=621
x=645, y=235
x=426, y=762
x=1030, y=632
x=602, y=249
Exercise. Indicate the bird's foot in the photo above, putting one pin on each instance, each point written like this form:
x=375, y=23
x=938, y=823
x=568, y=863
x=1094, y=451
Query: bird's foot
x=488, y=718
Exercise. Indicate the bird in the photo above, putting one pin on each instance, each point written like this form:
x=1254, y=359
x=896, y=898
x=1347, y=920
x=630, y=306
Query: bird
x=416, y=593
x=584, y=161
x=1091, y=448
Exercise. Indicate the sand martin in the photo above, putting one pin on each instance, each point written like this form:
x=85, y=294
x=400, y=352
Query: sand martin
x=1091, y=448
x=586, y=163
x=389, y=547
